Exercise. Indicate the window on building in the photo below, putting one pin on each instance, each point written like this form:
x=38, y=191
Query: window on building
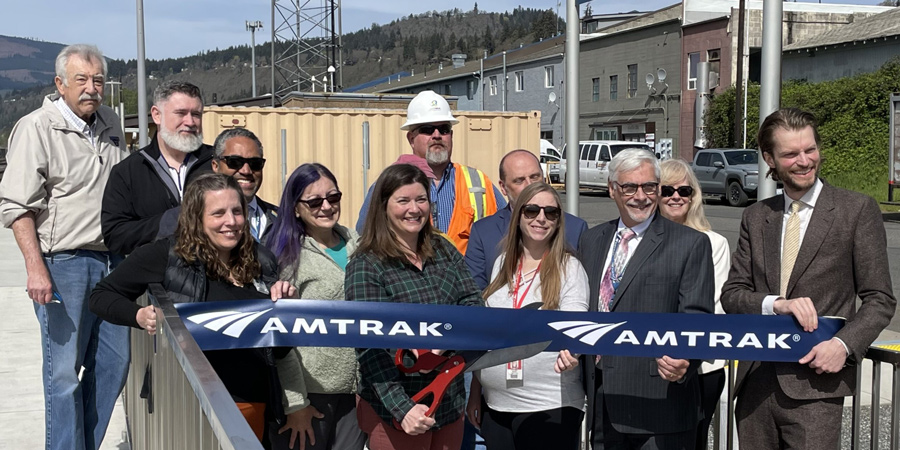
x=493, y=84
x=614, y=87
x=548, y=76
x=632, y=80
x=714, y=58
x=520, y=81
x=595, y=89
x=471, y=87
x=692, y=60
x=447, y=89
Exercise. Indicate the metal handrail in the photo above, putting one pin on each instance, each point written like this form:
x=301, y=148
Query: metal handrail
x=878, y=356
x=185, y=404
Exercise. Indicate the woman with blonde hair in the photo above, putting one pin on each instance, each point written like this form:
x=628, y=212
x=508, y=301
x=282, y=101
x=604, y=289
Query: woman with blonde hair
x=536, y=403
x=681, y=201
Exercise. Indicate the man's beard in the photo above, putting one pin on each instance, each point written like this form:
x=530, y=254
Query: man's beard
x=784, y=175
x=184, y=143
x=437, y=157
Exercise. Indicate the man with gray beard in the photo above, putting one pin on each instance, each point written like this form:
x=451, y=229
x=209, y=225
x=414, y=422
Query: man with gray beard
x=461, y=194
x=143, y=196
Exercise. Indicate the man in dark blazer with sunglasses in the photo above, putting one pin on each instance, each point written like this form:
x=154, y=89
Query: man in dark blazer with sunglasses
x=142, y=198
x=239, y=154
x=518, y=169
x=644, y=263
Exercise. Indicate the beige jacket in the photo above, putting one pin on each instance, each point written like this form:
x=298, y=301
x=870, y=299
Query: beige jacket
x=54, y=171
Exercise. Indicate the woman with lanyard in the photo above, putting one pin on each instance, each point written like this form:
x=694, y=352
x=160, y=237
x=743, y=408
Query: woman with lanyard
x=529, y=404
x=312, y=251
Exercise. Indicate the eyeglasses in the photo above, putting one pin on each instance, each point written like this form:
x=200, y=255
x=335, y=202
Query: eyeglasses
x=237, y=162
x=444, y=129
x=314, y=203
x=530, y=211
x=630, y=189
x=683, y=191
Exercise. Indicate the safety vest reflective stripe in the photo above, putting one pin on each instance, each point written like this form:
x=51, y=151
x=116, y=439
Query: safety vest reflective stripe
x=475, y=185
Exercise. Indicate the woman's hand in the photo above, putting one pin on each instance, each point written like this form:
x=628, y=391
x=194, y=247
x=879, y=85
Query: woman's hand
x=282, y=289
x=300, y=425
x=565, y=362
x=146, y=318
x=415, y=422
x=474, y=409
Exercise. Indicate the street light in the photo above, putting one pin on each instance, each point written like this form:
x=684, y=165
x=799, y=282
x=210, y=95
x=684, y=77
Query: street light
x=331, y=71
x=252, y=26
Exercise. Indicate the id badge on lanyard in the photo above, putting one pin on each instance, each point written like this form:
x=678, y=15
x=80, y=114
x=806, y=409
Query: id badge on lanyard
x=515, y=369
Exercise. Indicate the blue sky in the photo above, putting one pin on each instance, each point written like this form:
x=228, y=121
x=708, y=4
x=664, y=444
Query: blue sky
x=180, y=28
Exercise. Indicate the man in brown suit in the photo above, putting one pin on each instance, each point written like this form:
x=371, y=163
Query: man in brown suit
x=809, y=252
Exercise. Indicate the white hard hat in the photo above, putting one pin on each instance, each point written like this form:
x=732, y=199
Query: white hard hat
x=427, y=107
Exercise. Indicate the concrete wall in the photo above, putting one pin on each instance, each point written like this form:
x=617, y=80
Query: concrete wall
x=651, y=48
x=534, y=96
x=833, y=62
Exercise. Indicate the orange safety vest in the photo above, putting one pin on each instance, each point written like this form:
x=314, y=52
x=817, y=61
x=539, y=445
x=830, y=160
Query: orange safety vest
x=475, y=200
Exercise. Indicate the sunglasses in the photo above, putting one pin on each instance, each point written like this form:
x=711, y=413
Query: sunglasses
x=314, y=203
x=630, y=189
x=237, y=162
x=444, y=129
x=530, y=211
x=683, y=191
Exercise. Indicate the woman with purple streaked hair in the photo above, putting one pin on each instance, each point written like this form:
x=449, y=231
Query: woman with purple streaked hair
x=312, y=250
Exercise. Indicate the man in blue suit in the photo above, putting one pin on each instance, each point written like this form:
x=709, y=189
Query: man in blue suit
x=518, y=169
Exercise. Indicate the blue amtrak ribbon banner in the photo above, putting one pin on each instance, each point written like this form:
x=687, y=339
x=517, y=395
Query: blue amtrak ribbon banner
x=320, y=323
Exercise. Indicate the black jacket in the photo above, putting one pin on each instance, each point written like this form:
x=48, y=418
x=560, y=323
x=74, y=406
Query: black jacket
x=139, y=205
x=249, y=374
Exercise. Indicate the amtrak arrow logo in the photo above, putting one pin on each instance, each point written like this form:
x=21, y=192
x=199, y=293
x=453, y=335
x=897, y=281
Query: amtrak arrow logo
x=589, y=332
x=215, y=321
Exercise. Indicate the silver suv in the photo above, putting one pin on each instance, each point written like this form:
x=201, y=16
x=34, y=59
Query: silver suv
x=732, y=174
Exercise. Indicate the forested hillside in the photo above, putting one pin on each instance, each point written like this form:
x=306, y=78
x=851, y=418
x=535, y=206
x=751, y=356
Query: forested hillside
x=413, y=43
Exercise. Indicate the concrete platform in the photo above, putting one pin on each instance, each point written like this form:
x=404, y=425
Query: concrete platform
x=21, y=390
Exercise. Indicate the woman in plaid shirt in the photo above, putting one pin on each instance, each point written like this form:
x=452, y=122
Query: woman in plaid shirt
x=401, y=259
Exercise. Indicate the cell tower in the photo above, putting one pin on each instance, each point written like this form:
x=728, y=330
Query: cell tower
x=306, y=50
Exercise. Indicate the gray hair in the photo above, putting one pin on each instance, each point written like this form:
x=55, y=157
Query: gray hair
x=168, y=88
x=224, y=136
x=632, y=159
x=87, y=52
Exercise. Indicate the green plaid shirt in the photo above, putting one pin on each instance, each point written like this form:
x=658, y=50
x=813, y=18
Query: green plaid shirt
x=443, y=280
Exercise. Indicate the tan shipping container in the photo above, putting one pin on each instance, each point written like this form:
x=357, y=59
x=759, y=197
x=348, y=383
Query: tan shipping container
x=334, y=138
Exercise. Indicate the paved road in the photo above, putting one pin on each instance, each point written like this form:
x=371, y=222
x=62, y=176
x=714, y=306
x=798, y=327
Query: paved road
x=597, y=207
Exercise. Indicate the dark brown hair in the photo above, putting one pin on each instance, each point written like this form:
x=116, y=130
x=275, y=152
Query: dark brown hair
x=791, y=119
x=193, y=245
x=377, y=237
x=553, y=265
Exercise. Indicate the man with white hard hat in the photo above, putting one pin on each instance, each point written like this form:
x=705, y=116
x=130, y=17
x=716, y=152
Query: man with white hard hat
x=460, y=193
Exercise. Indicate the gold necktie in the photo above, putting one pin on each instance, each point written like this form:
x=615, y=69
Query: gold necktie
x=791, y=246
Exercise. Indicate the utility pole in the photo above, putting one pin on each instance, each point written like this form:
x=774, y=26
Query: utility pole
x=252, y=26
x=739, y=84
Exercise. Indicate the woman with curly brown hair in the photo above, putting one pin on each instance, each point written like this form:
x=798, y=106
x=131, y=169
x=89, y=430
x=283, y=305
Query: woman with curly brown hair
x=211, y=257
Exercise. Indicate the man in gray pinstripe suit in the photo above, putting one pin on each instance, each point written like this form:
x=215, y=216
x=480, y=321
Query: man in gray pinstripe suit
x=642, y=262
x=809, y=252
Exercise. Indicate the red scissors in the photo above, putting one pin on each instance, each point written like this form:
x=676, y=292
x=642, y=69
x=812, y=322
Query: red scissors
x=459, y=362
